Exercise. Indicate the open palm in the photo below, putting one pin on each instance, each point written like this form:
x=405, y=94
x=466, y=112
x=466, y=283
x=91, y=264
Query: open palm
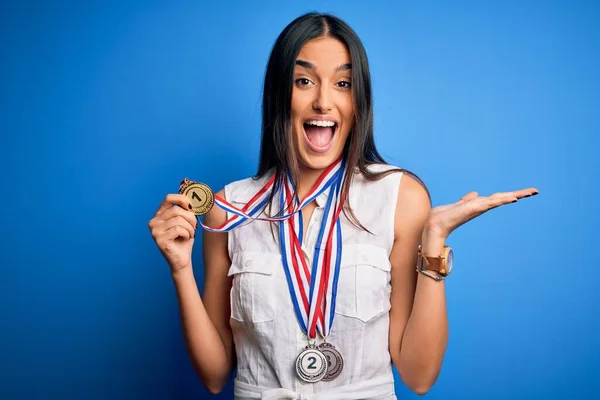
x=444, y=219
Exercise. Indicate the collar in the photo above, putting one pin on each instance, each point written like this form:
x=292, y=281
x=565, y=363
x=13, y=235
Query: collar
x=322, y=198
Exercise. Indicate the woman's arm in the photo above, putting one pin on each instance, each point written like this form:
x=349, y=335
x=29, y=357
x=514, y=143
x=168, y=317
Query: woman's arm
x=205, y=321
x=418, y=319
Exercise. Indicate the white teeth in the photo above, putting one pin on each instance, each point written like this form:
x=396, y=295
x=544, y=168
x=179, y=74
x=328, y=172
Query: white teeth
x=320, y=123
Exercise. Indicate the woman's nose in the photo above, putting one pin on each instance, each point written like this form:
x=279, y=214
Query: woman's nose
x=323, y=100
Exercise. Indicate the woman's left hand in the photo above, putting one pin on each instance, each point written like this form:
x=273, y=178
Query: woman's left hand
x=442, y=220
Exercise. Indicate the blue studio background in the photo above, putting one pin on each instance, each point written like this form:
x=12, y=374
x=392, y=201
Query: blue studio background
x=104, y=108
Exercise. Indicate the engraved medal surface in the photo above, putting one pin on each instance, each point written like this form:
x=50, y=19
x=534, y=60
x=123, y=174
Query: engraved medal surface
x=335, y=361
x=199, y=194
x=311, y=364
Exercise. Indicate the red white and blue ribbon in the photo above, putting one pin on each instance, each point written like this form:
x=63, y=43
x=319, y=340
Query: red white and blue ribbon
x=312, y=289
x=315, y=310
x=256, y=204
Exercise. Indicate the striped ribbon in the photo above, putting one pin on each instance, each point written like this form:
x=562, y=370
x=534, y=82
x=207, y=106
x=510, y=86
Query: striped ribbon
x=312, y=290
x=315, y=310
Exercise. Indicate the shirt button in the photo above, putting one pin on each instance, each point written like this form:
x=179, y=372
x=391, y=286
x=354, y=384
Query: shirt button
x=364, y=257
x=248, y=263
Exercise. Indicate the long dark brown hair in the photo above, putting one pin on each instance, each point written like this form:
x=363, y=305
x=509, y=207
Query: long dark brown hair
x=276, y=145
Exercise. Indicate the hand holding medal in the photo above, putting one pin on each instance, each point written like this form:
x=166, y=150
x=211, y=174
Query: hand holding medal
x=173, y=229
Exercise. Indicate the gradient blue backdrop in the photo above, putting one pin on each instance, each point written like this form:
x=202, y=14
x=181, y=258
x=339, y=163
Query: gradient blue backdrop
x=105, y=108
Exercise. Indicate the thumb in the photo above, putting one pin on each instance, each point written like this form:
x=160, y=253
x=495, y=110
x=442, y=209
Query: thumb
x=468, y=196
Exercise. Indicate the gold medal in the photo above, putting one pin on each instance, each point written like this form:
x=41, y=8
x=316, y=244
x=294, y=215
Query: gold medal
x=199, y=194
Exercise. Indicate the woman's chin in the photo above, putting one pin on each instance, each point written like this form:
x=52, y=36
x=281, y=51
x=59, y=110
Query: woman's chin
x=318, y=161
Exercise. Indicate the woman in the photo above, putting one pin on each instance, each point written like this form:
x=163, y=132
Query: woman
x=321, y=300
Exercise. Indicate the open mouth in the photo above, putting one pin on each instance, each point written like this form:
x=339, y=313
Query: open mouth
x=319, y=134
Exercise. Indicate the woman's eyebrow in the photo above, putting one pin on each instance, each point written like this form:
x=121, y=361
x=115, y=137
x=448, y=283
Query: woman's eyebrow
x=305, y=64
x=309, y=65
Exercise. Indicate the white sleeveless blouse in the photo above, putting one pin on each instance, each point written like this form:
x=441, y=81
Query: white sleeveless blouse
x=266, y=332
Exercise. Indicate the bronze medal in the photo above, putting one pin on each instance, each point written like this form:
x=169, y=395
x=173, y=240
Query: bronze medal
x=199, y=194
x=311, y=364
x=335, y=362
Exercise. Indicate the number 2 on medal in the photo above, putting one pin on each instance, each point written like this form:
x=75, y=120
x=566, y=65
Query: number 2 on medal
x=313, y=361
x=195, y=196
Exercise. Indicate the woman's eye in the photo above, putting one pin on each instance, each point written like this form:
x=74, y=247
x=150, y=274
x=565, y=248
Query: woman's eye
x=302, y=81
x=345, y=84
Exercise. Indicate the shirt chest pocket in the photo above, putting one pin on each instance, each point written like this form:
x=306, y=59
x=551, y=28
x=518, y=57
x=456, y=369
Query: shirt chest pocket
x=252, y=297
x=364, y=286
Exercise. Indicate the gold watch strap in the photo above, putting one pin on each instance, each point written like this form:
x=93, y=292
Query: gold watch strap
x=430, y=263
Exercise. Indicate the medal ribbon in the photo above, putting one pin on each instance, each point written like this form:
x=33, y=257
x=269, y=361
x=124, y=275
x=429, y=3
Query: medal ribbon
x=313, y=301
x=260, y=200
x=315, y=311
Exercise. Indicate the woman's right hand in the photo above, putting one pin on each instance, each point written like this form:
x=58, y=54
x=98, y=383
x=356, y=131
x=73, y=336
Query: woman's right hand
x=173, y=229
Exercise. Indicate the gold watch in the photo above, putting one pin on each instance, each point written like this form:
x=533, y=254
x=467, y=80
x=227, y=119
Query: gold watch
x=441, y=264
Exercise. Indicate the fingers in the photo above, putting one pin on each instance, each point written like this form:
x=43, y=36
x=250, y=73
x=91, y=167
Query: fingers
x=172, y=216
x=498, y=199
x=527, y=192
x=178, y=211
x=517, y=193
x=478, y=204
x=175, y=232
x=158, y=226
x=174, y=199
x=493, y=202
x=178, y=221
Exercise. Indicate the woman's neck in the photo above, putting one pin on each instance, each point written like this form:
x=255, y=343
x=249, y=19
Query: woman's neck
x=307, y=178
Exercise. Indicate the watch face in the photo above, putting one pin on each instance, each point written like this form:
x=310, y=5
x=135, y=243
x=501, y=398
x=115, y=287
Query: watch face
x=450, y=261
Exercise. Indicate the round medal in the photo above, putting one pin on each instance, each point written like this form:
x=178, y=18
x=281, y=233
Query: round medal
x=335, y=362
x=311, y=364
x=199, y=194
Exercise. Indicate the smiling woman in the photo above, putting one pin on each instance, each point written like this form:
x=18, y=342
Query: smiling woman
x=328, y=265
